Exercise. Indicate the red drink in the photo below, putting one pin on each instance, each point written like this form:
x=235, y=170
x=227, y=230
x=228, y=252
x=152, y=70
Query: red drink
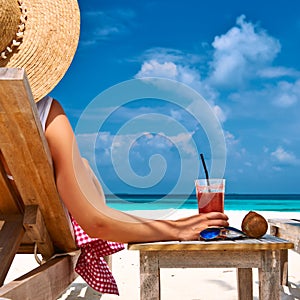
x=210, y=194
x=208, y=202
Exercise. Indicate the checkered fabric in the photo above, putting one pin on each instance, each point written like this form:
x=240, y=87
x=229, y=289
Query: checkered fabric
x=91, y=265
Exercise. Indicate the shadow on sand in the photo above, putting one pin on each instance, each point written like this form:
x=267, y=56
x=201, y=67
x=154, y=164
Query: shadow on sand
x=80, y=291
x=291, y=292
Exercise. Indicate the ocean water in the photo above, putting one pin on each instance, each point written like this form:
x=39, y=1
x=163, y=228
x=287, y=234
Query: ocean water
x=261, y=202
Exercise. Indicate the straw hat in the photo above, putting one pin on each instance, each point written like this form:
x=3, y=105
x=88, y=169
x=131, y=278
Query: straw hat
x=40, y=36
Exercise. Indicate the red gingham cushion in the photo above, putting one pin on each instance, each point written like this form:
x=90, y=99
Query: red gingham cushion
x=91, y=265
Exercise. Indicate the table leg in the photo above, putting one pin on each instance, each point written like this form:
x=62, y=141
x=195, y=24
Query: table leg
x=245, y=283
x=269, y=276
x=284, y=267
x=149, y=276
x=283, y=258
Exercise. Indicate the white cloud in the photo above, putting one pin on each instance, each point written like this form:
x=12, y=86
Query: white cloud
x=282, y=156
x=184, y=140
x=233, y=145
x=153, y=68
x=265, y=149
x=176, y=114
x=219, y=113
x=172, y=64
x=175, y=55
x=239, y=52
x=285, y=100
x=170, y=70
x=276, y=72
x=106, y=31
x=105, y=25
x=230, y=138
x=286, y=94
x=185, y=74
x=149, y=141
x=154, y=141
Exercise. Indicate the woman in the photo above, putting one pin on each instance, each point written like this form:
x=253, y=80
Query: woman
x=81, y=196
x=42, y=38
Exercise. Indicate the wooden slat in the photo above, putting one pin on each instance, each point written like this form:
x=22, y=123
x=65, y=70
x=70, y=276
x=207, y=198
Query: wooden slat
x=268, y=242
x=24, y=147
x=244, y=284
x=207, y=259
x=289, y=225
x=7, y=202
x=8, y=196
x=284, y=267
x=37, y=231
x=287, y=229
x=149, y=276
x=11, y=232
x=269, y=276
x=43, y=283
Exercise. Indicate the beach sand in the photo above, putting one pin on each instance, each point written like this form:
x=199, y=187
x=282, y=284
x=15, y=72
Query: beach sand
x=177, y=284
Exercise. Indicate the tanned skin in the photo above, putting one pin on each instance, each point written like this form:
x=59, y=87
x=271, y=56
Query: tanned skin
x=83, y=196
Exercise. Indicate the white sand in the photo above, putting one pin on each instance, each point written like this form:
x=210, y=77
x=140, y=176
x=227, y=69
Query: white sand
x=177, y=284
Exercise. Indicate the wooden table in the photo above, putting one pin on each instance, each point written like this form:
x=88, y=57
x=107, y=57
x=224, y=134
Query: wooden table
x=244, y=255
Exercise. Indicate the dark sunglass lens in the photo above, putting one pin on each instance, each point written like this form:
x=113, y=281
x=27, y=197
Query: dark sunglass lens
x=210, y=233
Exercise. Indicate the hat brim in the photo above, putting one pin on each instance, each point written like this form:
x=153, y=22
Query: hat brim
x=49, y=44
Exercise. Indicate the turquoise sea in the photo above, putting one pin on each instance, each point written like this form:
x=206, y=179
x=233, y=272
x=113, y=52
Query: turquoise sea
x=258, y=202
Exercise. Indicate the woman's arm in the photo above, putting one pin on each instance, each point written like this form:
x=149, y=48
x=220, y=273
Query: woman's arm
x=85, y=200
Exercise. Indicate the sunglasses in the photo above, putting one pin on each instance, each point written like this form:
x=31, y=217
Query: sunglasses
x=211, y=233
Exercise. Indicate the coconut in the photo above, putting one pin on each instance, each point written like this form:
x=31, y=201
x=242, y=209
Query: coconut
x=254, y=225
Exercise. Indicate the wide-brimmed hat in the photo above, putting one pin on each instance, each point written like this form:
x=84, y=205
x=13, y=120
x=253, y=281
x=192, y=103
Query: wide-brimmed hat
x=40, y=36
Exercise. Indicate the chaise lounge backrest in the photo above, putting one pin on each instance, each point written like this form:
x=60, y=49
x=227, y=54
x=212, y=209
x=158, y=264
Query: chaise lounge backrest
x=31, y=212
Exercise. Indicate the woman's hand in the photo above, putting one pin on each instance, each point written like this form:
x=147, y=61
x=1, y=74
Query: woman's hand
x=189, y=228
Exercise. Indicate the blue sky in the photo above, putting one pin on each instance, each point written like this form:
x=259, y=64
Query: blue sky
x=241, y=56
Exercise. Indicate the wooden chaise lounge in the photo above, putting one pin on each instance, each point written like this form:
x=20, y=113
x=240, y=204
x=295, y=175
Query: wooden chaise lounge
x=288, y=229
x=32, y=216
